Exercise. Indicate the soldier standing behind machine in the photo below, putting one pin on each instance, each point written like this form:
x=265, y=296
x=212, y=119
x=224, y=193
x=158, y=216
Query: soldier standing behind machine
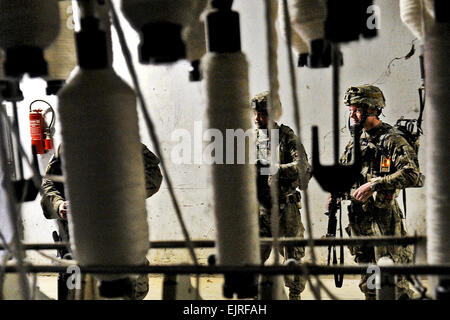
x=55, y=206
x=293, y=172
x=389, y=164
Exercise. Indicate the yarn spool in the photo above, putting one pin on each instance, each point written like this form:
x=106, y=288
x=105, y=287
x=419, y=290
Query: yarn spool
x=104, y=170
x=429, y=7
x=61, y=55
x=9, y=87
x=237, y=238
x=195, y=39
x=160, y=24
x=437, y=46
x=194, y=33
x=308, y=18
x=26, y=28
x=275, y=108
x=298, y=44
x=414, y=16
x=103, y=164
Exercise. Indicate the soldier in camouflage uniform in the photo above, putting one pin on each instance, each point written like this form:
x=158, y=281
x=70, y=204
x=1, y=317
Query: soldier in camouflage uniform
x=293, y=172
x=389, y=165
x=55, y=206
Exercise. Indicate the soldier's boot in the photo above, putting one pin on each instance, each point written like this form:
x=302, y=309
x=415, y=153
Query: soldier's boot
x=140, y=286
x=370, y=296
x=294, y=296
x=403, y=290
x=296, y=285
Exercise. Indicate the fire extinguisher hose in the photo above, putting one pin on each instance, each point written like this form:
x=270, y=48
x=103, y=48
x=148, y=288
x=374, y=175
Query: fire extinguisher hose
x=52, y=122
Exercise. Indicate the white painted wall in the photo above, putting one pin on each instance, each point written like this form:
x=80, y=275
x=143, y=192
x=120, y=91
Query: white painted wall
x=175, y=103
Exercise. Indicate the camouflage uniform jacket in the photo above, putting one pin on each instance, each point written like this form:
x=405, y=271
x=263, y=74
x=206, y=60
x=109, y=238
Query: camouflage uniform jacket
x=294, y=170
x=383, y=145
x=381, y=214
x=53, y=192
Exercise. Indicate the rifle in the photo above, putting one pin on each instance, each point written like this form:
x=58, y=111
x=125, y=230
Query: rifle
x=333, y=208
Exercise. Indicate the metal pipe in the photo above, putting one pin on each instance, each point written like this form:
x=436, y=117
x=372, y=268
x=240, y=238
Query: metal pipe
x=17, y=135
x=287, y=242
x=14, y=215
x=336, y=91
x=443, y=269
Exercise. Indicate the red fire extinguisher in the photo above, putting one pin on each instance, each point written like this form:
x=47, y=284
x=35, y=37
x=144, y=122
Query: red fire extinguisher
x=41, y=134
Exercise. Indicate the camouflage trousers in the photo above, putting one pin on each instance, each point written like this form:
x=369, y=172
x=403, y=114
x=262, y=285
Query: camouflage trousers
x=140, y=286
x=290, y=225
x=89, y=284
x=369, y=220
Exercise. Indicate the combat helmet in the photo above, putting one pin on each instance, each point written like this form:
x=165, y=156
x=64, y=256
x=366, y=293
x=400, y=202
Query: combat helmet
x=366, y=95
x=260, y=101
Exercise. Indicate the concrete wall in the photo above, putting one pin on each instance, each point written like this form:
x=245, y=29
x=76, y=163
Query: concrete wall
x=175, y=103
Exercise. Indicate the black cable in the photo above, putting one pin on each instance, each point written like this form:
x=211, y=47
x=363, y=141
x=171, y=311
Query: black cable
x=388, y=71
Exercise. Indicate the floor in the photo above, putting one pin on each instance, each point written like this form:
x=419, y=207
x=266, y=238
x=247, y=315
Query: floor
x=211, y=288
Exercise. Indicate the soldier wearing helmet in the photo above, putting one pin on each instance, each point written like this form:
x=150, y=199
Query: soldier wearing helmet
x=293, y=173
x=366, y=103
x=388, y=166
